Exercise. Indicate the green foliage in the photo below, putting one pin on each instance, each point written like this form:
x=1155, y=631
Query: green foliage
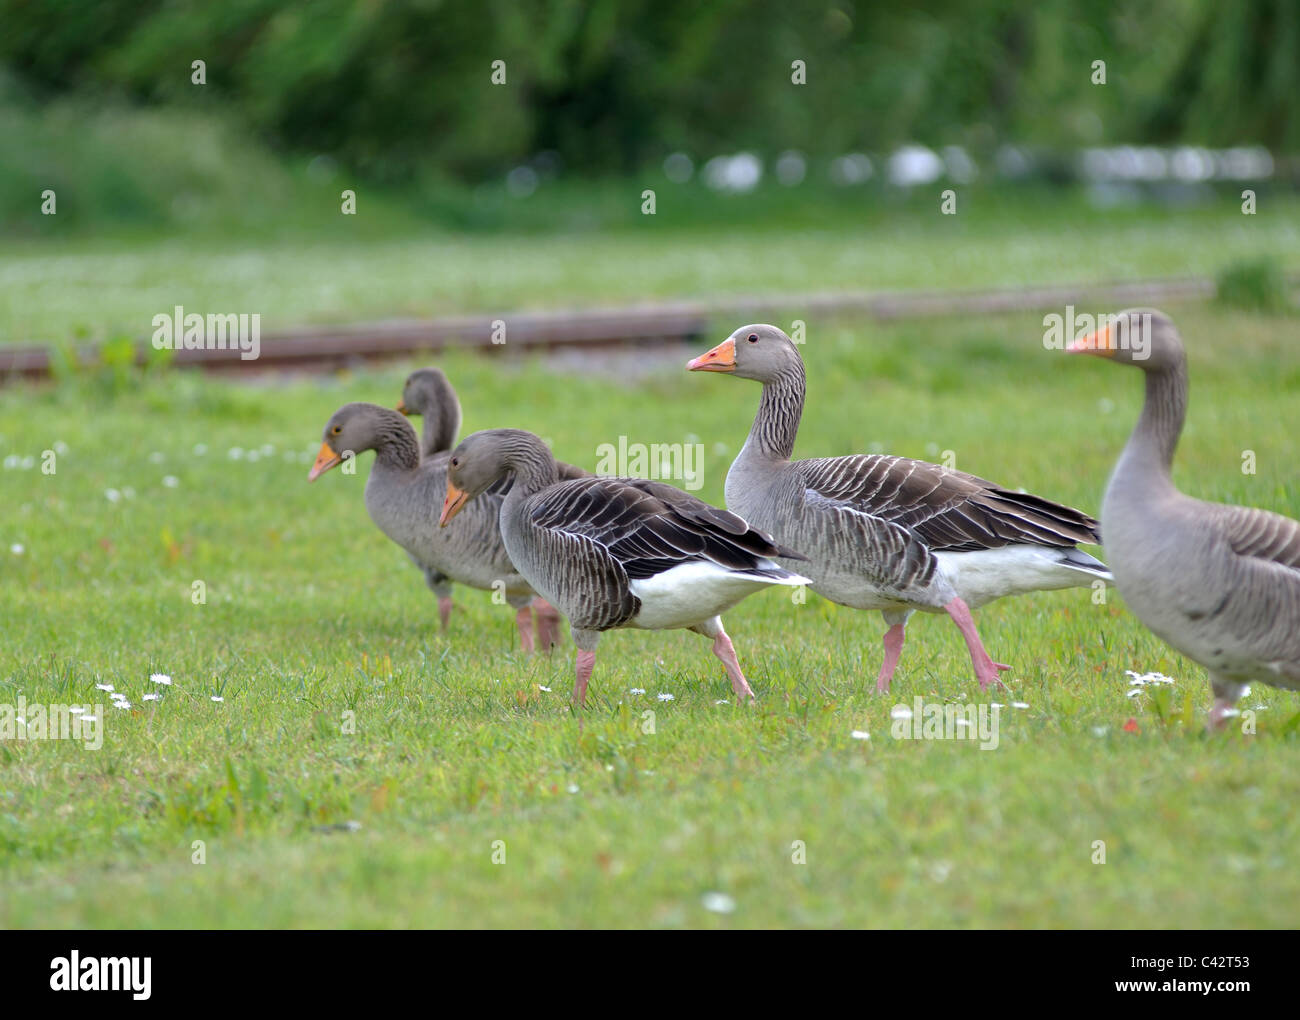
x=1258, y=285
x=399, y=91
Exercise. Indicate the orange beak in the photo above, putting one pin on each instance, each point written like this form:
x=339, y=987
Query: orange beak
x=1098, y=343
x=452, y=505
x=721, y=359
x=401, y=408
x=325, y=460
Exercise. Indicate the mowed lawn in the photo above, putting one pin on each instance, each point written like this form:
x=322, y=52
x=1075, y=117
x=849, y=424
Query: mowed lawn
x=472, y=794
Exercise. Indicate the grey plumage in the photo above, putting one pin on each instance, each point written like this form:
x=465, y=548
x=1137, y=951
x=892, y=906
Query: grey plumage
x=403, y=494
x=429, y=394
x=1219, y=583
x=887, y=532
x=617, y=552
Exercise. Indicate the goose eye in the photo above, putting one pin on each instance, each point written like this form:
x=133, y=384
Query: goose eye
x=336, y=430
x=455, y=462
x=753, y=338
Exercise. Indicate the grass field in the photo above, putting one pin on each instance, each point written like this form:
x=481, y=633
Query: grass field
x=697, y=246
x=310, y=614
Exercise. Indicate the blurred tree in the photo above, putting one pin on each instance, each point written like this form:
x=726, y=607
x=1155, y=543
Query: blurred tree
x=397, y=90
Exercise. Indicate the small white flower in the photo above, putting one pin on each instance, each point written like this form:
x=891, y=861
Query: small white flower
x=1019, y=704
x=217, y=697
x=235, y=453
x=573, y=787
x=722, y=701
x=718, y=903
x=636, y=690
x=665, y=697
x=1100, y=731
x=171, y=481
x=112, y=495
x=860, y=735
x=160, y=678
x=103, y=687
x=121, y=703
x=1245, y=691
x=900, y=712
x=17, y=549
x=152, y=697
x=1134, y=692
x=118, y=696
x=541, y=688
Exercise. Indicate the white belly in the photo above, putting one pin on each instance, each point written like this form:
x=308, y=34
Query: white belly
x=987, y=574
x=692, y=593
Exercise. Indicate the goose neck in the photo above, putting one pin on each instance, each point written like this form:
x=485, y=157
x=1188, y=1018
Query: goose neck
x=776, y=424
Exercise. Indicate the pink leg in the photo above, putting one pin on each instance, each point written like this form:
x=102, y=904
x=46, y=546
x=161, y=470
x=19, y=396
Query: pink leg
x=444, y=609
x=582, y=673
x=524, y=621
x=548, y=624
x=724, y=650
x=893, y=648
x=986, y=670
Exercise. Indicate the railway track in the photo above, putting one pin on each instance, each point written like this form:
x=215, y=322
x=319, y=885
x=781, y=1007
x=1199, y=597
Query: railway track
x=321, y=348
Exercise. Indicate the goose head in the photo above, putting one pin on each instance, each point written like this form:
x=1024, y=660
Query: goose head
x=756, y=352
x=353, y=429
x=475, y=464
x=427, y=392
x=1143, y=337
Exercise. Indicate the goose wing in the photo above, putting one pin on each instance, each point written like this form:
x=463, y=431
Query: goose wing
x=947, y=509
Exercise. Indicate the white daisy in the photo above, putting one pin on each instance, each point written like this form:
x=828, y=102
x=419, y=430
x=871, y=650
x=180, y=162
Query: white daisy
x=160, y=678
x=860, y=735
x=666, y=697
x=103, y=687
x=718, y=903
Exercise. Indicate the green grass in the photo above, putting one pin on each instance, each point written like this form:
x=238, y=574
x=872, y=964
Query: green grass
x=311, y=613
x=555, y=252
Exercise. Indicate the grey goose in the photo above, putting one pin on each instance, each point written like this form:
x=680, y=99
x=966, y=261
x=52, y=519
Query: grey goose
x=429, y=394
x=616, y=552
x=403, y=494
x=886, y=532
x=1219, y=583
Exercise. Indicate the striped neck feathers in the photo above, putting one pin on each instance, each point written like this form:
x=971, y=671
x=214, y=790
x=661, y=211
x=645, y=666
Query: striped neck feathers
x=779, y=409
